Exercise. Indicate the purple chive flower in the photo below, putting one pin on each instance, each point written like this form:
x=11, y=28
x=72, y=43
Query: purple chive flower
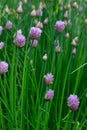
x=1, y=45
x=73, y=102
x=3, y=67
x=59, y=26
x=48, y=78
x=35, y=33
x=19, y=39
x=39, y=12
x=1, y=28
x=8, y=25
x=49, y=95
x=33, y=43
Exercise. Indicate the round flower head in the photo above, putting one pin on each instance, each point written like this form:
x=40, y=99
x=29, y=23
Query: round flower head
x=59, y=26
x=1, y=28
x=8, y=25
x=49, y=95
x=48, y=78
x=39, y=12
x=3, y=67
x=35, y=33
x=1, y=45
x=19, y=39
x=73, y=102
x=33, y=43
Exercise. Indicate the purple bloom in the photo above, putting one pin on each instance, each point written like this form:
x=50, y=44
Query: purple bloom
x=19, y=39
x=59, y=26
x=73, y=102
x=3, y=67
x=35, y=33
x=49, y=95
x=48, y=79
x=33, y=43
x=39, y=12
x=8, y=25
x=1, y=45
x=1, y=28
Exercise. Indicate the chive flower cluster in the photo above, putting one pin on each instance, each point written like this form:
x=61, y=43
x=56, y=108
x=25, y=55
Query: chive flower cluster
x=48, y=79
x=73, y=102
x=19, y=39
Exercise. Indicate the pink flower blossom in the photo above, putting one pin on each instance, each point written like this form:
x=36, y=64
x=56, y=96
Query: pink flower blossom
x=3, y=67
x=48, y=78
x=8, y=25
x=39, y=12
x=33, y=43
x=19, y=39
x=1, y=28
x=59, y=26
x=35, y=33
x=49, y=95
x=73, y=102
x=1, y=45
